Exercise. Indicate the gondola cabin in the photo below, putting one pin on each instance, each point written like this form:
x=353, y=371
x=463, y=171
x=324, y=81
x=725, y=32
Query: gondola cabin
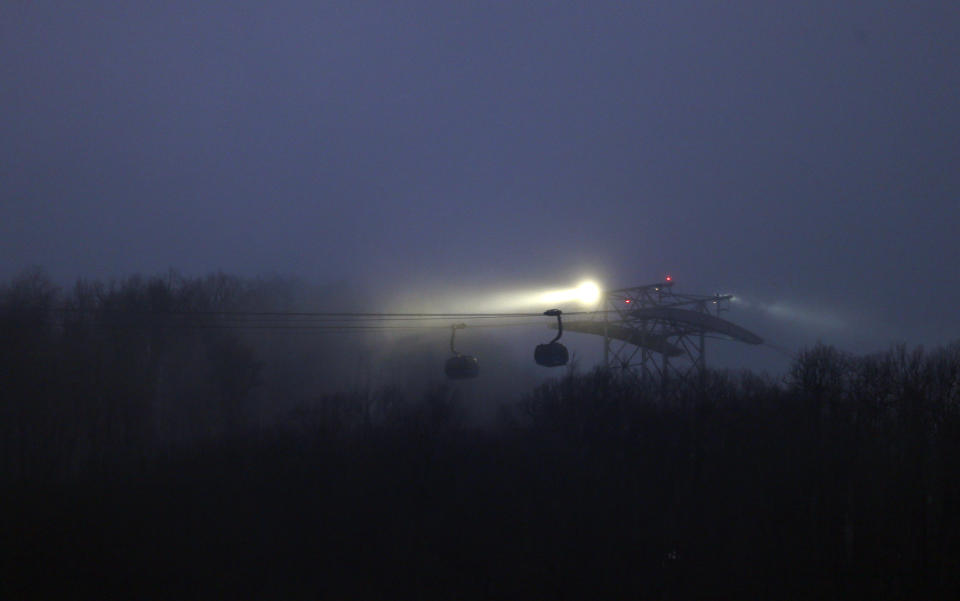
x=462, y=367
x=551, y=354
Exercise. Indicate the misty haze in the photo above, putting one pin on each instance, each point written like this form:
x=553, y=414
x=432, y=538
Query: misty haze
x=379, y=300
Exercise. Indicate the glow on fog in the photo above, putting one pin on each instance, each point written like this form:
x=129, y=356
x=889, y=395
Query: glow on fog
x=586, y=294
x=794, y=313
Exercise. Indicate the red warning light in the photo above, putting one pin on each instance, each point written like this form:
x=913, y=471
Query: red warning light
x=669, y=278
x=627, y=301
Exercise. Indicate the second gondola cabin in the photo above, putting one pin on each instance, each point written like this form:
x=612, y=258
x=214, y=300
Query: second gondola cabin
x=462, y=367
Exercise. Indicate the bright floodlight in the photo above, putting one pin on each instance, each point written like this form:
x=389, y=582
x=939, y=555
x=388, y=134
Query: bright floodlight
x=588, y=293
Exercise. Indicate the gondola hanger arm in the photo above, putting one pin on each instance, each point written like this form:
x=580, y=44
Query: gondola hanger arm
x=453, y=335
x=557, y=313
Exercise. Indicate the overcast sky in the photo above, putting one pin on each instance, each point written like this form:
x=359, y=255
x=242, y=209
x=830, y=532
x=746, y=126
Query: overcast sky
x=803, y=155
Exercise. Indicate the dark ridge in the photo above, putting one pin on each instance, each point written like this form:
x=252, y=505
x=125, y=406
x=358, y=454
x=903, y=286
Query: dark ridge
x=177, y=463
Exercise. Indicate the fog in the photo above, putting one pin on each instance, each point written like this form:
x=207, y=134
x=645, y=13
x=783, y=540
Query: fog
x=801, y=157
x=198, y=199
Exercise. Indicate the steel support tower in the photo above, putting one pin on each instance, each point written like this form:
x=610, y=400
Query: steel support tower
x=653, y=332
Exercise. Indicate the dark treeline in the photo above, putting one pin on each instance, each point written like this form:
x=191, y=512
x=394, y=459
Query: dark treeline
x=143, y=457
x=108, y=373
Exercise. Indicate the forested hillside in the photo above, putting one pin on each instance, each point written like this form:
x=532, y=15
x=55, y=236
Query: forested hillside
x=143, y=456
